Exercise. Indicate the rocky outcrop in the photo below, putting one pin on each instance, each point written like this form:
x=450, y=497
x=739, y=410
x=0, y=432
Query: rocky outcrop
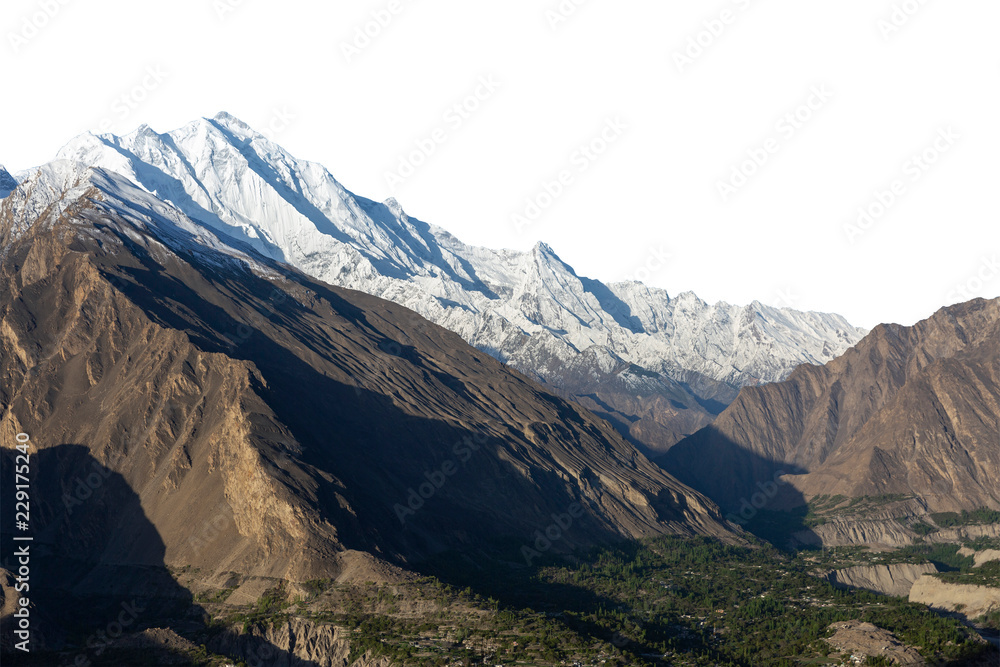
x=887, y=533
x=160, y=646
x=295, y=643
x=895, y=580
x=863, y=640
x=880, y=534
x=970, y=601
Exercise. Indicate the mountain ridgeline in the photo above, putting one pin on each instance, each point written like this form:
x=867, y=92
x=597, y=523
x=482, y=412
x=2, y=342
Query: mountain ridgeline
x=910, y=415
x=599, y=344
x=276, y=422
x=276, y=426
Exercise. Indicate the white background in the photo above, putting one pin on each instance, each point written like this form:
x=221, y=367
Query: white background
x=780, y=238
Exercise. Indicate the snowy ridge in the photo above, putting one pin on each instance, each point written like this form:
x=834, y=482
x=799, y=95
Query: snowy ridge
x=527, y=308
x=97, y=195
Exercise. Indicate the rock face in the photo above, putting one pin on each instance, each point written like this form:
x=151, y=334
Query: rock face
x=911, y=411
x=895, y=580
x=986, y=556
x=299, y=642
x=528, y=309
x=970, y=601
x=862, y=640
x=886, y=533
x=229, y=413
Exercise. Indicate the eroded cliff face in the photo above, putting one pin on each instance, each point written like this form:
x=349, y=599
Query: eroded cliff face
x=886, y=533
x=254, y=420
x=895, y=580
x=298, y=642
x=986, y=556
x=970, y=601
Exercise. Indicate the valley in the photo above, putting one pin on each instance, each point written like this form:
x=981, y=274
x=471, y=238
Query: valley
x=665, y=601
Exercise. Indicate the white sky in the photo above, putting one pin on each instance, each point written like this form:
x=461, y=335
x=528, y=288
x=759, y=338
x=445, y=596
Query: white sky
x=780, y=238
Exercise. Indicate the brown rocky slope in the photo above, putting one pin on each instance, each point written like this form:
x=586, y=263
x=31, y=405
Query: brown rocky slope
x=273, y=425
x=909, y=411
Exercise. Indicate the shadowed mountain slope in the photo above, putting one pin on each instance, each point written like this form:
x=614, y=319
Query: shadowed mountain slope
x=274, y=425
x=672, y=361
x=909, y=411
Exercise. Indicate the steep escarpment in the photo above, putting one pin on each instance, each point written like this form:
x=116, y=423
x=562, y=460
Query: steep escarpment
x=300, y=639
x=969, y=600
x=909, y=414
x=895, y=579
x=267, y=423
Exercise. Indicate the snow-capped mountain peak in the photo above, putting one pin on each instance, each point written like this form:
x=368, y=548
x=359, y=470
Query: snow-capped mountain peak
x=527, y=308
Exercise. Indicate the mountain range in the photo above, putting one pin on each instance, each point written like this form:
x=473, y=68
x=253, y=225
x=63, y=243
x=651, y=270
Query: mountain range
x=315, y=427
x=599, y=344
x=809, y=396
x=247, y=387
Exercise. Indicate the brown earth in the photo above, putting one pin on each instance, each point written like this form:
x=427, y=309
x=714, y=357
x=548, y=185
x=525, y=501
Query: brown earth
x=260, y=422
x=911, y=411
